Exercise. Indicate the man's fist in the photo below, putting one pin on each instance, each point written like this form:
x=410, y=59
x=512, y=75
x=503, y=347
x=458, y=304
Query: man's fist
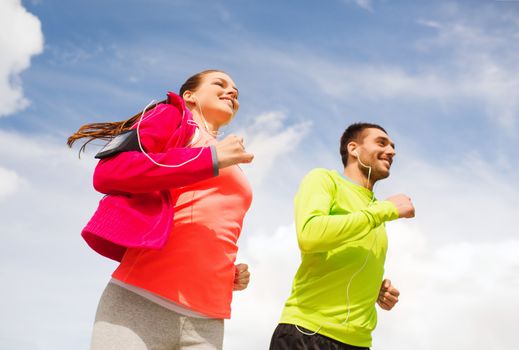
x=403, y=205
x=388, y=295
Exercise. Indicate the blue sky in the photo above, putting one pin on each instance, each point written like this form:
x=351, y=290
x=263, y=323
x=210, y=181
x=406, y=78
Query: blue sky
x=441, y=76
x=118, y=54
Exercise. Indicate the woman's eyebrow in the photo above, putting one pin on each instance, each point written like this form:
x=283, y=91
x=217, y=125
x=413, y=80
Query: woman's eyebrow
x=225, y=81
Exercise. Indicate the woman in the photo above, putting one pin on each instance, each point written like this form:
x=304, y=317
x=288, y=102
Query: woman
x=175, y=204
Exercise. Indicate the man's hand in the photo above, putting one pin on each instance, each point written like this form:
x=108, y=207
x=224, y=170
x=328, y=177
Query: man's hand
x=241, y=276
x=388, y=295
x=403, y=205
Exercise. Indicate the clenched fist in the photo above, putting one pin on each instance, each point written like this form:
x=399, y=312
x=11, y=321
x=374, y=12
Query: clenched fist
x=231, y=151
x=241, y=276
x=403, y=205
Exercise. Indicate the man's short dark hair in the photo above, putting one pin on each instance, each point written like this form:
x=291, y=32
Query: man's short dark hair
x=354, y=132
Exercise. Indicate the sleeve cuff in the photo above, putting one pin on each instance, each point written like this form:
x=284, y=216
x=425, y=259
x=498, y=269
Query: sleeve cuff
x=380, y=212
x=215, y=160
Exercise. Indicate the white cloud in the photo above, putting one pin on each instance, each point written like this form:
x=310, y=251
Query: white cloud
x=268, y=138
x=450, y=291
x=20, y=38
x=457, y=200
x=273, y=260
x=429, y=23
x=44, y=265
x=450, y=286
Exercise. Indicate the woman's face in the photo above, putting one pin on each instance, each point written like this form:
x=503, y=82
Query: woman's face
x=216, y=97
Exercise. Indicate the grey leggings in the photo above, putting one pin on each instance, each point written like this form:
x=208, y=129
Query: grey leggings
x=127, y=321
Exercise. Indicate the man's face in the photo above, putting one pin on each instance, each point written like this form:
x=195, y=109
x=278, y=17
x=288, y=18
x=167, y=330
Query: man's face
x=377, y=151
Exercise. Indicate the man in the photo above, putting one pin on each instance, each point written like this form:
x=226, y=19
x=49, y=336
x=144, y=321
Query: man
x=341, y=234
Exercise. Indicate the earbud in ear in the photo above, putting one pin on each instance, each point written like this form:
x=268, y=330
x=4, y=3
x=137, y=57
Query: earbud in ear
x=355, y=153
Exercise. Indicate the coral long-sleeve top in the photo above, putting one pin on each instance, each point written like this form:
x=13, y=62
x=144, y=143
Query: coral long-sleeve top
x=195, y=268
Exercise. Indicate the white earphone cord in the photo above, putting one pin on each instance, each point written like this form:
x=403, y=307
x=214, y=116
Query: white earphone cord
x=345, y=322
x=365, y=166
x=213, y=133
x=153, y=112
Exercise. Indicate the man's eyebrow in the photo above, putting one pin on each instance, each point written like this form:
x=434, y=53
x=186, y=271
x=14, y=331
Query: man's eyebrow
x=386, y=139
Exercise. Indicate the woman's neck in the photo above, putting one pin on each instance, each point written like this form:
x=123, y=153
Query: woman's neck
x=211, y=127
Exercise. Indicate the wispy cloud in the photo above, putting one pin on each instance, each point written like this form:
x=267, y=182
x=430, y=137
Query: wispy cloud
x=485, y=66
x=268, y=138
x=364, y=4
x=482, y=69
x=459, y=63
x=479, y=66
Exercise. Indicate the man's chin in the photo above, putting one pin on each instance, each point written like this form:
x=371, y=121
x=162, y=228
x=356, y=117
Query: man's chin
x=382, y=174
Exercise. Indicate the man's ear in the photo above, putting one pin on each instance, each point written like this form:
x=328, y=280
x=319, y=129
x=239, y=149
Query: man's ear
x=352, y=148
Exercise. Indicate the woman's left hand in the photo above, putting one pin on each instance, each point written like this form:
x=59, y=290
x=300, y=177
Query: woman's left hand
x=388, y=295
x=241, y=276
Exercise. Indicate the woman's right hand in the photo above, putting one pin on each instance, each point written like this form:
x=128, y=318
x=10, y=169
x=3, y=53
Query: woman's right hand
x=241, y=276
x=230, y=151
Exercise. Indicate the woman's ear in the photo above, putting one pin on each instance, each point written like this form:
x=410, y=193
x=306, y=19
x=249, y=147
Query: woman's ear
x=188, y=96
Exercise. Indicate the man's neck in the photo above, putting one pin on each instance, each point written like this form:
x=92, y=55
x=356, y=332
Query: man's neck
x=353, y=172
